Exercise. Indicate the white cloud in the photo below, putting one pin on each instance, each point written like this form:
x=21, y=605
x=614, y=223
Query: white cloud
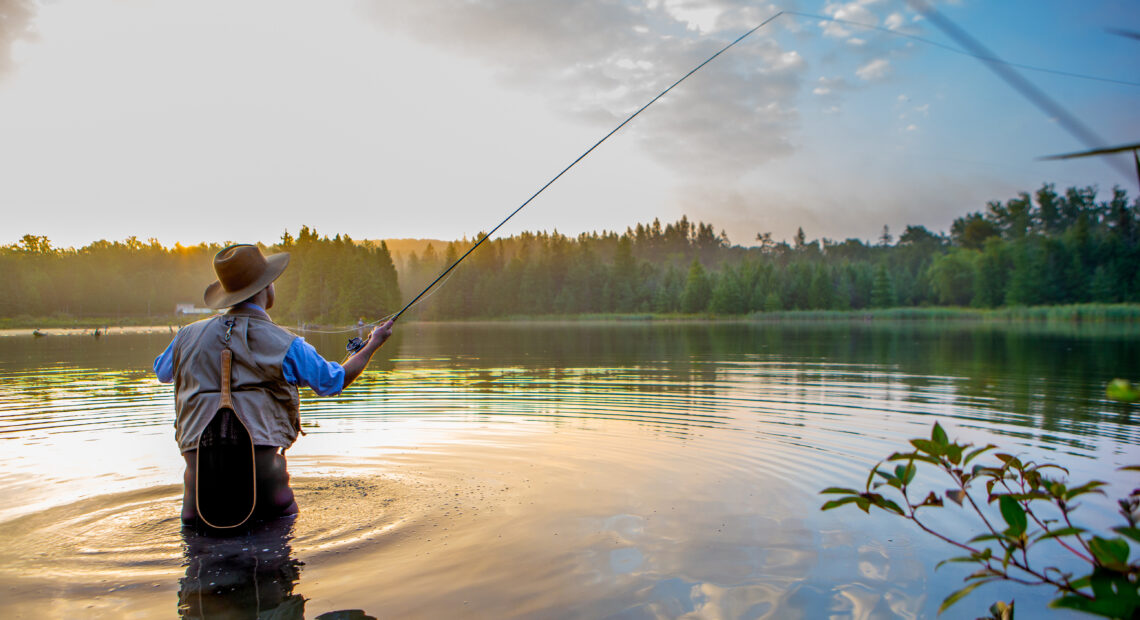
x=600, y=61
x=849, y=11
x=912, y=127
x=831, y=85
x=894, y=21
x=877, y=69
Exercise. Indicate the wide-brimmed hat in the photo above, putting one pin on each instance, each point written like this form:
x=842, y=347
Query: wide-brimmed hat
x=242, y=271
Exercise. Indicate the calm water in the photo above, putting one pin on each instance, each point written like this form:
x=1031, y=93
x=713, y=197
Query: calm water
x=549, y=470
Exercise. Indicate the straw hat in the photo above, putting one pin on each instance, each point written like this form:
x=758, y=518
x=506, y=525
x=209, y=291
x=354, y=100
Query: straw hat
x=242, y=271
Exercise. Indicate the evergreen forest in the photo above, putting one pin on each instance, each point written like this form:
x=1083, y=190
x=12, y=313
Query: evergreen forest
x=1048, y=248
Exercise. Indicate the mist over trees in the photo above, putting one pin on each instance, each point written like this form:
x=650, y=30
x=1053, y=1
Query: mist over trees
x=1045, y=248
x=331, y=280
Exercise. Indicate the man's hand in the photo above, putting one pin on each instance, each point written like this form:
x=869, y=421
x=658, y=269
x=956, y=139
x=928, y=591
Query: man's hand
x=379, y=335
x=355, y=364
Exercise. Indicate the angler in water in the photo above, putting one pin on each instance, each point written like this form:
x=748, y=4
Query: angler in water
x=236, y=377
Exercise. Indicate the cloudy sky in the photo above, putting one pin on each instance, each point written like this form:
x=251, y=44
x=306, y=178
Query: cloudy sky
x=236, y=120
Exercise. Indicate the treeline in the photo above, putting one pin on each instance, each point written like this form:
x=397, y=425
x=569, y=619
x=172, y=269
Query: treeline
x=1048, y=248
x=330, y=280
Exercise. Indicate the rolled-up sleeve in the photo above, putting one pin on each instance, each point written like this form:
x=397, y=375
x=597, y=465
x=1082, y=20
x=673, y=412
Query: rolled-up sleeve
x=305, y=367
x=164, y=364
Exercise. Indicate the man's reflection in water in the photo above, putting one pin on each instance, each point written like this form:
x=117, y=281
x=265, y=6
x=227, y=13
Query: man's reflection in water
x=249, y=576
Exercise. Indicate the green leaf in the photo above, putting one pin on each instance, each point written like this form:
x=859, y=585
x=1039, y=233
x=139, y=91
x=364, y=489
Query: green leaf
x=1032, y=495
x=976, y=452
x=1121, y=390
x=1013, y=514
x=1129, y=468
x=1083, y=582
x=954, y=453
x=926, y=446
x=1078, y=603
x=1009, y=460
x=836, y=503
x=959, y=595
x=964, y=558
x=938, y=436
x=984, y=537
x=887, y=504
x=839, y=490
x=1111, y=552
x=913, y=456
x=1131, y=532
x=1065, y=531
x=1088, y=487
x=981, y=573
x=1113, y=594
x=871, y=476
x=1001, y=610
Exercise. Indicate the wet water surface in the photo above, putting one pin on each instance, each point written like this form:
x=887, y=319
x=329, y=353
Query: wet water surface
x=628, y=470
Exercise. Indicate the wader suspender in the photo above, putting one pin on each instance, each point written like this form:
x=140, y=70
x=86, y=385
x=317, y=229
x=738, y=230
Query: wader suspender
x=223, y=444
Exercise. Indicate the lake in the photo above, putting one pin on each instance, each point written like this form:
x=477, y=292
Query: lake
x=553, y=470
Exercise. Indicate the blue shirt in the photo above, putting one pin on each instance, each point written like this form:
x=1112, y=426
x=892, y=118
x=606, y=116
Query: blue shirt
x=302, y=366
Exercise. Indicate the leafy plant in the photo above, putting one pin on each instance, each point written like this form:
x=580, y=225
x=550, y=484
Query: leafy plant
x=1035, y=504
x=1123, y=391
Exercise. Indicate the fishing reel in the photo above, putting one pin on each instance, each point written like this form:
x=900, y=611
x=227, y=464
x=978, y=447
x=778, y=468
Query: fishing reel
x=356, y=344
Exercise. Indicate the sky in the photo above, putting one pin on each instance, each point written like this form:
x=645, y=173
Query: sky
x=236, y=121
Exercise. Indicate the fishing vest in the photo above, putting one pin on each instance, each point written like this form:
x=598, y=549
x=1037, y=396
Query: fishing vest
x=265, y=402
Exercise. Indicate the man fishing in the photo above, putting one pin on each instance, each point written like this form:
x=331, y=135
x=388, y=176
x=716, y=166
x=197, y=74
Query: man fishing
x=236, y=377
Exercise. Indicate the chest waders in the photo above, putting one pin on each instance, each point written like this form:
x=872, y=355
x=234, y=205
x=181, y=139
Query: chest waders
x=226, y=478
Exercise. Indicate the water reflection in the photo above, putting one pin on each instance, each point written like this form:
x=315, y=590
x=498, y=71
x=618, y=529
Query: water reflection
x=628, y=470
x=253, y=575
x=250, y=576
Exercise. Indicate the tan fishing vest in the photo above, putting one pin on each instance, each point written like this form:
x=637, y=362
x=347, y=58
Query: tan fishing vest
x=269, y=407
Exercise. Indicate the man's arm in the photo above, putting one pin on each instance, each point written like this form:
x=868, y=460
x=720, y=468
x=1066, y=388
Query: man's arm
x=304, y=366
x=164, y=363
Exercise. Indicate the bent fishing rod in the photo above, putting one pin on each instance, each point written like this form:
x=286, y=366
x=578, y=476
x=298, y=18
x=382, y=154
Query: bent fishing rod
x=1005, y=70
x=356, y=344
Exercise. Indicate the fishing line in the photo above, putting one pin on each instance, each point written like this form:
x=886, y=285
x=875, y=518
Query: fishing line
x=973, y=49
x=580, y=158
x=950, y=48
x=377, y=321
x=1036, y=96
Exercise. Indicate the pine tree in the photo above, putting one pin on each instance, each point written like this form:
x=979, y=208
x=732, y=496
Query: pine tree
x=698, y=290
x=882, y=292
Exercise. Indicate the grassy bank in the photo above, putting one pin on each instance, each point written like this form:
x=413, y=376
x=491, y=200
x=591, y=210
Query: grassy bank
x=1076, y=313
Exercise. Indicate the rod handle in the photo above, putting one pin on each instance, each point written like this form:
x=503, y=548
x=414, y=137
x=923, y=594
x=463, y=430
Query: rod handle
x=227, y=360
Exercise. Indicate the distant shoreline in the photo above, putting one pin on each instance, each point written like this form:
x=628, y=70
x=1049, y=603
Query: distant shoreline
x=1078, y=313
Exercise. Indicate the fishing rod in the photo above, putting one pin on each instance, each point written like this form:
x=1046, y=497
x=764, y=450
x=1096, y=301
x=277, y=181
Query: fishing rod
x=973, y=47
x=356, y=344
